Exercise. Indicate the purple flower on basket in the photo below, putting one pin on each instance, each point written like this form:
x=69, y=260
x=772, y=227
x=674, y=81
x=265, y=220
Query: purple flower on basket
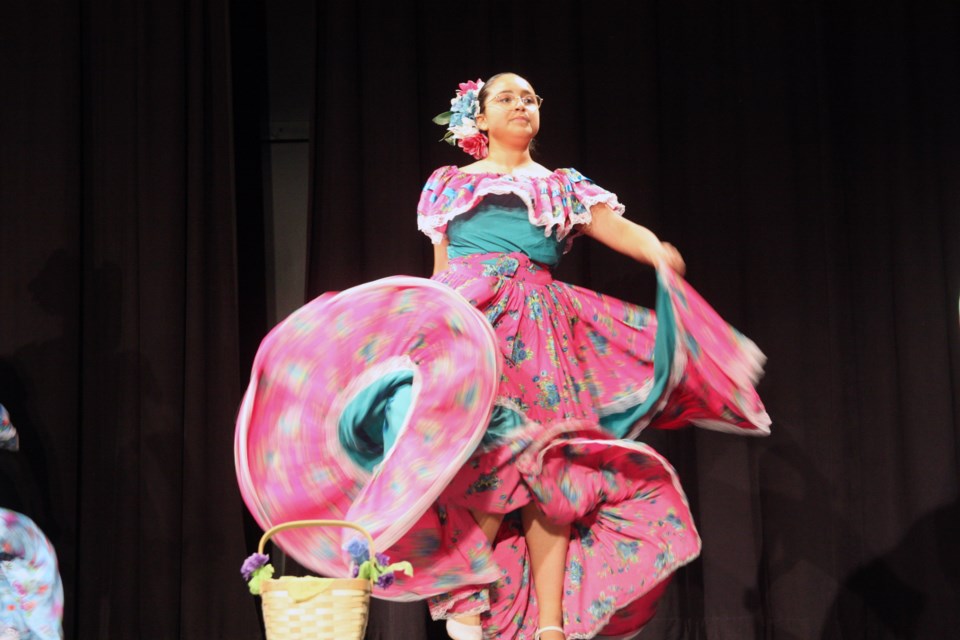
x=385, y=580
x=253, y=563
x=382, y=559
x=355, y=571
x=358, y=549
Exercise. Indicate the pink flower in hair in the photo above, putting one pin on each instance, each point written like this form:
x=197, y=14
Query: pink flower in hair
x=475, y=145
x=470, y=85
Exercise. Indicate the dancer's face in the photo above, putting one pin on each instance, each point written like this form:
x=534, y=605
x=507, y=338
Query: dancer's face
x=511, y=112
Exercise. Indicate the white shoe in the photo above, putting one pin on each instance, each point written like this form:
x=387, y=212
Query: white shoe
x=460, y=631
x=536, y=636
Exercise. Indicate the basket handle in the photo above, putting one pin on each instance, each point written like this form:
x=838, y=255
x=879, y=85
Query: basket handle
x=294, y=524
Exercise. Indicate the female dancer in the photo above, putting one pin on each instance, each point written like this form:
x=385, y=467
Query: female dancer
x=506, y=208
x=543, y=518
x=508, y=116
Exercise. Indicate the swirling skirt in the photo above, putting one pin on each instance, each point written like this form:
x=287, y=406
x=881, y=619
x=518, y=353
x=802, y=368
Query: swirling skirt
x=572, y=373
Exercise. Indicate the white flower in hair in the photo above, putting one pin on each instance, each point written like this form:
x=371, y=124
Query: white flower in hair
x=466, y=129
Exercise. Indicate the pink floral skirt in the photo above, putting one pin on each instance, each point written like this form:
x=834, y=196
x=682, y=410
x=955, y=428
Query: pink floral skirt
x=580, y=371
x=575, y=373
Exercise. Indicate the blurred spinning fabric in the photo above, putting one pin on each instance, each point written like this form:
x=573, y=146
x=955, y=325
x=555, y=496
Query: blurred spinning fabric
x=398, y=405
x=362, y=406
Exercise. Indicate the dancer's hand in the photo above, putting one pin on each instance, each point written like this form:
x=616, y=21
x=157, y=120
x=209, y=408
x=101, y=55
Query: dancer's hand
x=672, y=258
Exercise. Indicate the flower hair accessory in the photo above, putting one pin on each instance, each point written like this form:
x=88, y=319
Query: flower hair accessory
x=461, y=120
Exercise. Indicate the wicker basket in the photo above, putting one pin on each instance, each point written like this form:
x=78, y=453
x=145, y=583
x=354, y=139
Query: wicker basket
x=315, y=608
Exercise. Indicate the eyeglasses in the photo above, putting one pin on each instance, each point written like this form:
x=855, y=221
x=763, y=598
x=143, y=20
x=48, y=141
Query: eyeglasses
x=509, y=101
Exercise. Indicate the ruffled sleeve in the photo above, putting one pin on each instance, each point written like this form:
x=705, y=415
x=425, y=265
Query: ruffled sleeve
x=438, y=199
x=585, y=195
x=557, y=203
x=588, y=194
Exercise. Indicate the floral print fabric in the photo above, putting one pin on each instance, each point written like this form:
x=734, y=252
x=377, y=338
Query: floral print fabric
x=574, y=372
x=293, y=457
x=31, y=593
x=557, y=203
x=571, y=359
x=562, y=358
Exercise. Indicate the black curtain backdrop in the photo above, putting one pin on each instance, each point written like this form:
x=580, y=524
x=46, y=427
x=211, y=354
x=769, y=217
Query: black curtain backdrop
x=119, y=336
x=805, y=157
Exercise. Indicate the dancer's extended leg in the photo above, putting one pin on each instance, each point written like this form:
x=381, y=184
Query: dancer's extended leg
x=547, y=544
x=468, y=627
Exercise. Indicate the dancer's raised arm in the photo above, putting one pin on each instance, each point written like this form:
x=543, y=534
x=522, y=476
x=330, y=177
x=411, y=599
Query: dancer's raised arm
x=631, y=239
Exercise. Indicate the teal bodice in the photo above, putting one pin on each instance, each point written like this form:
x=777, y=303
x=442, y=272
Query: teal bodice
x=500, y=223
